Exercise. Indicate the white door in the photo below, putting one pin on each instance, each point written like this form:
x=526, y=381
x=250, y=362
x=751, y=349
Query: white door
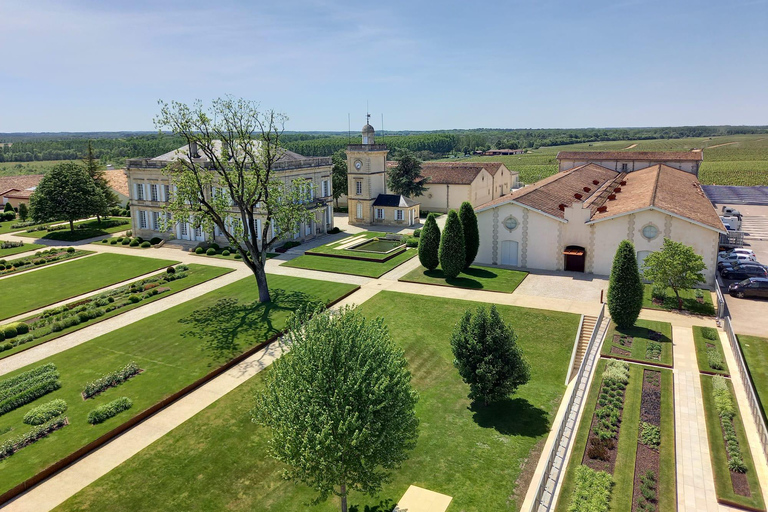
x=509, y=253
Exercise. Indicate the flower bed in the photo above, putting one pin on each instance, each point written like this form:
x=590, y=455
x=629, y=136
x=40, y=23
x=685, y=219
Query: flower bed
x=11, y=446
x=40, y=258
x=103, y=412
x=645, y=495
x=27, y=387
x=110, y=380
x=45, y=412
x=592, y=491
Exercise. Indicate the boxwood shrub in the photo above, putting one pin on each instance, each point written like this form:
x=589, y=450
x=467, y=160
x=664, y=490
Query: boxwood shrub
x=709, y=333
x=156, y=240
x=146, y=245
x=45, y=412
x=211, y=251
x=113, y=242
x=110, y=380
x=126, y=241
x=199, y=250
x=134, y=243
x=103, y=412
x=225, y=252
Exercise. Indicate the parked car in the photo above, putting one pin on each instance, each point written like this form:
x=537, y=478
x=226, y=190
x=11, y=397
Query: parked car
x=744, y=272
x=734, y=258
x=728, y=211
x=733, y=222
x=738, y=250
x=752, y=287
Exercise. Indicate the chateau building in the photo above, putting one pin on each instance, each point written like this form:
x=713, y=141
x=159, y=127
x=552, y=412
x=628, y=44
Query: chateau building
x=150, y=190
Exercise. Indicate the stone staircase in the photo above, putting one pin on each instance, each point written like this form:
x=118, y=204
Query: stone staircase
x=587, y=328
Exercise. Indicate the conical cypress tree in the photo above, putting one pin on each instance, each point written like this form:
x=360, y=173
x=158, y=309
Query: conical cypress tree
x=8, y=207
x=452, y=252
x=625, y=289
x=471, y=232
x=429, y=243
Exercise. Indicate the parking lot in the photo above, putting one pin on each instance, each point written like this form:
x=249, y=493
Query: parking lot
x=750, y=315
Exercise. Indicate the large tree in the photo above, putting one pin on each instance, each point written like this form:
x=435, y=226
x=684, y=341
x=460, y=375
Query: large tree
x=429, y=243
x=676, y=266
x=96, y=172
x=67, y=192
x=471, y=232
x=625, y=289
x=340, y=407
x=406, y=178
x=231, y=182
x=23, y=212
x=487, y=356
x=452, y=252
x=339, y=174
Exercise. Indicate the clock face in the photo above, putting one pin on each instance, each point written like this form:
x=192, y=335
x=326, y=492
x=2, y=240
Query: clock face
x=358, y=164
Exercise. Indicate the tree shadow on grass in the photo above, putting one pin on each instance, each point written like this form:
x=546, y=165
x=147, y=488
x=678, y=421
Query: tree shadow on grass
x=512, y=417
x=638, y=331
x=383, y=506
x=229, y=326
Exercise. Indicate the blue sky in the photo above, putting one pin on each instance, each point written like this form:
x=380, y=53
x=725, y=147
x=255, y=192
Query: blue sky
x=77, y=65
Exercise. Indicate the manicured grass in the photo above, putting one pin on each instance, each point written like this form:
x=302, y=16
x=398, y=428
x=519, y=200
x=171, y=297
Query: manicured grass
x=174, y=348
x=197, y=274
x=477, y=277
x=5, y=226
x=624, y=469
x=689, y=301
x=755, y=350
x=723, y=485
x=93, y=229
x=641, y=332
x=217, y=460
x=346, y=266
x=32, y=290
x=332, y=248
x=17, y=250
x=59, y=255
x=701, y=352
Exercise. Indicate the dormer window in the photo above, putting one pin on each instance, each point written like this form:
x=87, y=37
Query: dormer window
x=624, y=167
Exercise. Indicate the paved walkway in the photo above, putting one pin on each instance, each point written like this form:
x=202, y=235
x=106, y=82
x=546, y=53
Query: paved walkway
x=417, y=499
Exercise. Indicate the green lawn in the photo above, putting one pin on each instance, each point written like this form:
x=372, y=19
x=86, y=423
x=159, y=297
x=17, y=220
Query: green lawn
x=346, y=266
x=5, y=226
x=689, y=301
x=624, y=469
x=93, y=229
x=16, y=250
x=197, y=274
x=755, y=350
x=701, y=352
x=216, y=460
x=477, y=277
x=640, y=333
x=723, y=486
x=332, y=248
x=174, y=347
x=32, y=290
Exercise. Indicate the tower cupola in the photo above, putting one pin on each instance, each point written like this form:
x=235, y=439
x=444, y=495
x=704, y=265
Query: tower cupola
x=368, y=134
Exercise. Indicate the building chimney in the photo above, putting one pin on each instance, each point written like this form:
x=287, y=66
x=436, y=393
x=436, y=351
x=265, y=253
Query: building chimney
x=193, y=150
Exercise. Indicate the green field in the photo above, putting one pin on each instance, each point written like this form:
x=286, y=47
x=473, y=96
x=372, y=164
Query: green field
x=641, y=337
x=346, y=266
x=18, y=250
x=755, y=350
x=22, y=168
x=174, y=348
x=482, y=457
x=476, y=278
x=39, y=288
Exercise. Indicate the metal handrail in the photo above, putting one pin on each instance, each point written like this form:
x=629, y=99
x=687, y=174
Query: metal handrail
x=537, y=501
x=575, y=349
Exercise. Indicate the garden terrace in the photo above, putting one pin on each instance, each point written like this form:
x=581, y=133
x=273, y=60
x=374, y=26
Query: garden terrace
x=691, y=303
x=56, y=322
x=485, y=455
x=709, y=351
x=354, y=267
x=354, y=247
x=24, y=292
x=727, y=441
x=647, y=341
x=648, y=398
x=475, y=278
x=83, y=230
x=18, y=225
x=175, y=348
x=39, y=259
x=10, y=248
x=755, y=351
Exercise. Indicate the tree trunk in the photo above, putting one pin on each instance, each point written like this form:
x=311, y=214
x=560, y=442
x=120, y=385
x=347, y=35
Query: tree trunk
x=261, y=282
x=679, y=300
x=71, y=225
x=343, y=498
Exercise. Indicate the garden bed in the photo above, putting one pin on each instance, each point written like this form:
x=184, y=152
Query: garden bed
x=645, y=494
x=647, y=342
x=691, y=304
x=354, y=266
x=10, y=248
x=475, y=278
x=709, y=351
x=83, y=229
x=344, y=248
x=40, y=259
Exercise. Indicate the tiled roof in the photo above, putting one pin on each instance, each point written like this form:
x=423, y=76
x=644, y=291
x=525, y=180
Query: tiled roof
x=30, y=181
x=393, y=200
x=609, y=193
x=651, y=156
x=19, y=194
x=454, y=173
x=183, y=153
x=117, y=181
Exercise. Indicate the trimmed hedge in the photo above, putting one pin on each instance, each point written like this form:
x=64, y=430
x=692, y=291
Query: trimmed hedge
x=26, y=376
x=14, y=329
x=103, y=412
x=29, y=391
x=45, y=412
x=11, y=446
x=714, y=359
x=145, y=245
x=592, y=491
x=452, y=253
x=110, y=380
x=709, y=333
x=725, y=409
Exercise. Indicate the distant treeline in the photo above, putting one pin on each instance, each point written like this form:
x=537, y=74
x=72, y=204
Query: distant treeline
x=116, y=146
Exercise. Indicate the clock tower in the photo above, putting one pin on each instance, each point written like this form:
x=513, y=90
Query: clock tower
x=366, y=176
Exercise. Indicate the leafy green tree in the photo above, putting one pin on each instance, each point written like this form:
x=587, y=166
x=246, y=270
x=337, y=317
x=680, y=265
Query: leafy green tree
x=233, y=184
x=96, y=173
x=625, y=289
x=429, y=243
x=8, y=207
x=453, y=255
x=340, y=407
x=339, y=174
x=23, y=212
x=487, y=356
x=68, y=192
x=406, y=178
x=676, y=266
x=471, y=232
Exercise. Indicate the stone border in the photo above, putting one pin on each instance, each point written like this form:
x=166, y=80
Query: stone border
x=358, y=258
x=104, y=439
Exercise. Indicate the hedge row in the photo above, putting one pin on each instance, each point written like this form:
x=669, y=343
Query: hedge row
x=45, y=412
x=714, y=359
x=110, y=380
x=724, y=405
x=103, y=412
x=13, y=330
x=26, y=376
x=45, y=385
x=11, y=446
x=592, y=491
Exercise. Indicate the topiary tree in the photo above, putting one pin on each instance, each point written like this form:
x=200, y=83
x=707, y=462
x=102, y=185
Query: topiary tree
x=487, y=356
x=429, y=243
x=340, y=406
x=23, y=212
x=8, y=207
x=452, y=254
x=676, y=266
x=471, y=232
x=625, y=289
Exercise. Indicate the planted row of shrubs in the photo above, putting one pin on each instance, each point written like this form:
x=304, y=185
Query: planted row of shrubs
x=11, y=446
x=28, y=387
x=611, y=401
x=12, y=330
x=7, y=244
x=213, y=249
x=103, y=412
x=110, y=380
x=45, y=412
x=724, y=405
x=40, y=258
x=592, y=491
